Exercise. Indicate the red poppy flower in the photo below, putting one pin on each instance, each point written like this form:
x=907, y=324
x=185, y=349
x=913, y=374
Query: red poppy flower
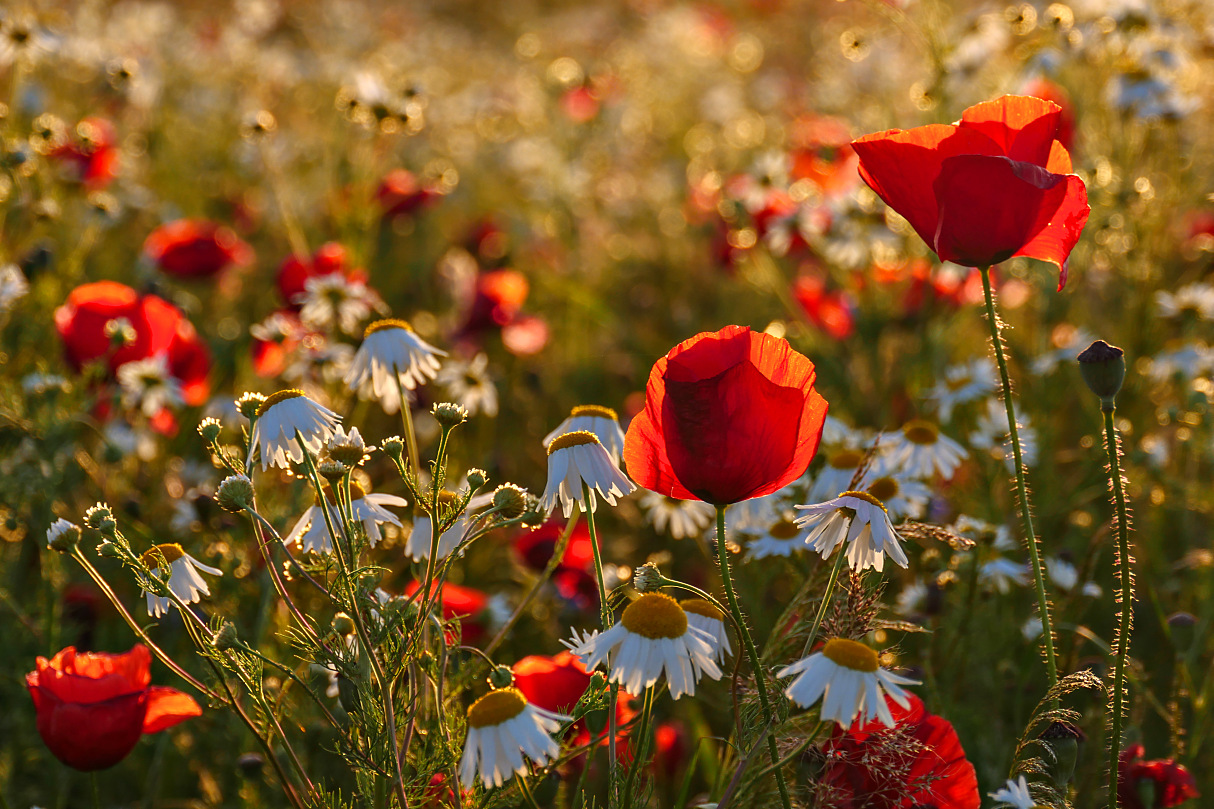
x=729, y=415
x=1043, y=88
x=92, y=154
x=92, y=707
x=294, y=272
x=994, y=185
x=535, y=547
x=195, y=248
x=918, y=762
x=557, y=683
x=400, y=194
x=832, y=311
x=468, y=603
x=1169, y=782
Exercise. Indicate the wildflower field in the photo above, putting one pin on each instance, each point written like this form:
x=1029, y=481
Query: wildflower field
x=618, y=404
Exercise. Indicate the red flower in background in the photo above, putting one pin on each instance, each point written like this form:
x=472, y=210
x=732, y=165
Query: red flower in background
x=294, y=272
x=92, y=707
x=831, y=310
x=1046, y=90
x=870, y=766
x=195, y=248
x=994, y=185
x=557, y=683
x=822, y=154
x=92, y=154
x=1169, y=782
x=159, y=327
x=400, y=194
x=468, y=603
x=497, y=302
x=572, y=578
x=729, y=415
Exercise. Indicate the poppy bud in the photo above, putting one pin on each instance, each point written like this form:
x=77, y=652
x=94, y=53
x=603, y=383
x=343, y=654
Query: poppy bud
x=1063, y=740
x=1181, y=627
x=545, y=791
x=596, y=720
x=1103, y=369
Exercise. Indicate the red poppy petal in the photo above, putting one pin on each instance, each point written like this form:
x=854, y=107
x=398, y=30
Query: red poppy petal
x=646, y=459
x=1023, y=126
x=168, y=707
x=90, y=736
x=1057, y=233
x=1059, y=161
x=902, y=166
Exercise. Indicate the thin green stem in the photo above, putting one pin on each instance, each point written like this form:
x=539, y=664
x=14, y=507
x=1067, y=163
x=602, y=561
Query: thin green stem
x=1125, y=597
x=96, y=790
x=831, y=583
x=406, y=417
x=641, y=738
x=605, y=619
x=755, y=663
x=1022, y=491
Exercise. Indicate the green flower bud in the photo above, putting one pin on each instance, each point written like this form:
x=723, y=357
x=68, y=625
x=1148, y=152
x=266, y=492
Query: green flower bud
x=97, y=516
x=449, y=414
x=1103, y=369
x=209, y=430
x=1063, y=739
x=477, y=478
x=545, y=791
x=331, y=470
x=343, y=624
x=226, y=638
x=501, y=677
x=596, y=720
x=63, y=536
x=109, y=549
x=647, y=578
x=510, y=500
x=249, y=403
x=235, y=494
x=1182, y=628
x=393, y=447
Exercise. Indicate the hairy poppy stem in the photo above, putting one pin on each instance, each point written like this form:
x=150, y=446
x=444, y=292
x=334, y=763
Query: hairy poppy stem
x=1022, y=492
x=605, y=618
x=1125, y=597
x=755, y=663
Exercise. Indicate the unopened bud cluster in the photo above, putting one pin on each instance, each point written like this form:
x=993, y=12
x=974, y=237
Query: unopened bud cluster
x=235, y=494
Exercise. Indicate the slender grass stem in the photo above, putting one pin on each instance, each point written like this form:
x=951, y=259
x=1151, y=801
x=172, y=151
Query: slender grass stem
x=829, y=594
x=1125, y=597
x=406, y=417
x=605, y=619
x=642, y=741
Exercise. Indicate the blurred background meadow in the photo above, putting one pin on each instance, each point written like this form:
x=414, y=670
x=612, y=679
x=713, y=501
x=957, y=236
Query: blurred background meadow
x=556, y=194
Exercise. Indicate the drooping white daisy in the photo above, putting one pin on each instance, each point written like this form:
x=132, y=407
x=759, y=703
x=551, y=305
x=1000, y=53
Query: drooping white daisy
x=334, y=299
x=991, y=434
x=1196, y=300
x=312, y=533
x=184, y=581
x=679, y=518
x=922, y=451
x=1067, y=341
x=502, y=728
x=601, y=421
x=577, y=458
x=1015, y=794
x=653, y=637
x=848, y=677
x=279, y=418
x=782, y=538
x=858, y=518
x=62, y=532
x=392, y=352
x=469, y=384
x=708, y=619
x=148, y=385
x=963, y=383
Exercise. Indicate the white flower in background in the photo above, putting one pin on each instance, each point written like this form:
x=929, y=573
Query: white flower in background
x=1061, y=572
x=653, y=637
x=577, y=458
x=1192, y=299
x=312, y=533
x=601, y=421
x=782, y=538
x=1092, y=590
x=1069, y=341
x=40, y=384
x=317, y=363
x=921, y=451
x=417, y=547
x=282, y=421
x=148, y=385
x=708, y=619
x=183, y=581
x=13, y=286
x=847, y=676
x=468, y=384
x=755, y=514
x=392, y=356
x=1016, y=794
x=334, y=299
x=1031, y=630
x=836, y=433
x=962, y=384
x=859, y=519
x=992, y=435
x=678, y=518
x=837, y=475
x=503, y=728
x=901, y=495
x=911, y=598
x=1001, y=574
x=1190, y=360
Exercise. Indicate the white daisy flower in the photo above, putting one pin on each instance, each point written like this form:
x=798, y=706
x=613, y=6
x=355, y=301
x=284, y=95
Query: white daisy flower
x=963, y=383
x=1031, y=630
x=418, y=545
x=679, y=518
x=1192, y=299
x=148, y=385
x=312, y=533
x=13, y=286
x=902, y=496
x=1000, y=574
x=333, y=298
x=184, y=581
x=601, y=421
x=835, y=432
x=757, y=513
x=858, y=518
x=782, y=538
x=1015, y=794
x=576, y=458
x=469, y=384
x=708, y=619
x=1092, y=590
x=1062, y=573
x=992, y=435
x=318, y=363
x=923, y=451
x=1190, y=360
x=280, y=418
x=653, y=637
x=502, y=728
x=847, y=676
x=1068, y=342
x=391, y=352
x=837, y=475
x=61, y=531
x=911, y=598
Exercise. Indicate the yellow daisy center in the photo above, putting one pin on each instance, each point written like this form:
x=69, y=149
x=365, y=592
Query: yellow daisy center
x=169, y=553
x=958, y=383
x=281, y=396
x=885, y=488
x=699, y=606
x=846, y=459
x=655, y=616
x=357, y=492
x=573, y=439
x=390, y=323
x=921, y=432
x=784, y=529
x=866, y=497
x=496, y=707
x=851, y=654
x=594, y=410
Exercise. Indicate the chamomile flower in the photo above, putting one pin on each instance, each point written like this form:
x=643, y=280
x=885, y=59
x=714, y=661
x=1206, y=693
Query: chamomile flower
x=782, y=538
x=837, y=475
x=1015, y=794
x=963, y=383
x=922, y=451
x=1061, y=572
x=392, y=356
x=653, y=637
x=282, y=420
x=911, y=598
x=312, y=533
x=602, y=421
x=902, y=496
x=62, y=534
x=1000, y=574
x=577, y=458
x=183, y=579
x=13, y=286
x=418, y=545
x=1192, y=299
x=679, y=518
x=708, y=619
x=992, y=435
x=148, y=385
x=469, y=384
x=847, y=676
x=502, y=728
x=334, y=299
x=858, y=518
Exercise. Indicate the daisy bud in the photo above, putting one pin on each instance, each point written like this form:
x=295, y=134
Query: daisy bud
x=62, y=536
x=393, y=447
x=510, y=500
x=533, y=513
x=597, y=682
x=109, y=549
x=1103, y=369
x=1063, y=739
x=343, y=624
x=100, y=518
x=449, y=414
x=501, y=677
x=349, y=448
x=226, y=638
x=209, y=430
x=249, y=403
x=332, y=470
x=477, y=478
x=647, y=578
x=235, y=494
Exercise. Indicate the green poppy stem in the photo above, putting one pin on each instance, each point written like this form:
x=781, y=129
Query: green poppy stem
x=1125, y=597
x=605, y=619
